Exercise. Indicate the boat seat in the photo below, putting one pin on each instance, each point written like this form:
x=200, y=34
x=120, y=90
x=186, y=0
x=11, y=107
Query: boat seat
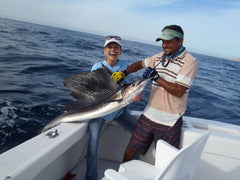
x=170, y=163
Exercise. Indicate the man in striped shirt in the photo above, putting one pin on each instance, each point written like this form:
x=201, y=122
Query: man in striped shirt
x=172, y=73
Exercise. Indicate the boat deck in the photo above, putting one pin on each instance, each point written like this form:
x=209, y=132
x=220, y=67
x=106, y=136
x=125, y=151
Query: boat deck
x=43, y=157
x=102, y=166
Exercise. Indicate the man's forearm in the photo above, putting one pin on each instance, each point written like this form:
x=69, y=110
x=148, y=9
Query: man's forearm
x=172, y=88
x=134, y=67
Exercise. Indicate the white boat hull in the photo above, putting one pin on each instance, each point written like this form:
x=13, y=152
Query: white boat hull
x=51, y=158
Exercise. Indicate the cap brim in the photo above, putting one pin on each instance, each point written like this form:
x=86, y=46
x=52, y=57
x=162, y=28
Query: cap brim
x=169, y=34
x=165, y=37
x=113, y=40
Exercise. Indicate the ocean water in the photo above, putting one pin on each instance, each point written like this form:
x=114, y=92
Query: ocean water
x=35, y=60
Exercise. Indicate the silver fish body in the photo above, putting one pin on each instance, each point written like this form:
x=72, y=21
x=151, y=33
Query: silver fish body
x=117, y=101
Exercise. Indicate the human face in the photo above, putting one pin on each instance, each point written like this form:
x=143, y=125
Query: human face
x=171, y=46
x=112, y=51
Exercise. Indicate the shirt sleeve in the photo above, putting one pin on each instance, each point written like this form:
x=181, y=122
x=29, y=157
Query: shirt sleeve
x=188, y=72
x=151, y=61
x=96, y=66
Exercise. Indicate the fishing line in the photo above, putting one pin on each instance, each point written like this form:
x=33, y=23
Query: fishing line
x=82, y=156
x=103, y=131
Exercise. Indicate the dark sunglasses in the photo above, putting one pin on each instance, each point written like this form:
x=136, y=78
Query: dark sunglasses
x=111, y=37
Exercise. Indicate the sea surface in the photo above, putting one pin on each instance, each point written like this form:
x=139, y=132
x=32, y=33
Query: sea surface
x=35, y=60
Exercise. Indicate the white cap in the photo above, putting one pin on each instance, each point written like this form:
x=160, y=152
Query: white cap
x=107, y=41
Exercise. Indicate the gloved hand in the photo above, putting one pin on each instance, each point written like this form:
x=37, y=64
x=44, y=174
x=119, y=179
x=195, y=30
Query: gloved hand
x=119, y=76
x=151, y=74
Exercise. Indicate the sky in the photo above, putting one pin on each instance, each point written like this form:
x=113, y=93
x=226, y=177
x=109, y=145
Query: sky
x=211, y=27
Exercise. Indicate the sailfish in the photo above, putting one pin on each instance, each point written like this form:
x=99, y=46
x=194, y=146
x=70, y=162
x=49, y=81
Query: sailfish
x=97, y=95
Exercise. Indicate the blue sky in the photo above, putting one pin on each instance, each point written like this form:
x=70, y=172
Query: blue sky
x=211, y=27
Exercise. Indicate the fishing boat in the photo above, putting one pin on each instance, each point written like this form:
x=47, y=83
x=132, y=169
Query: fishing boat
x=62, y=149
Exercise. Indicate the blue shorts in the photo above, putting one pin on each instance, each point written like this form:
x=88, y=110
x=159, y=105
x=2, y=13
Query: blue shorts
x=147, y=131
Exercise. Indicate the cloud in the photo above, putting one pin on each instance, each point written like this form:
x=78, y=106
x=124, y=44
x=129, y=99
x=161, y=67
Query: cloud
x=206, y=27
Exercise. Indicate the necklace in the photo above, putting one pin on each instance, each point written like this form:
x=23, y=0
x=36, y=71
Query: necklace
x=180, y=52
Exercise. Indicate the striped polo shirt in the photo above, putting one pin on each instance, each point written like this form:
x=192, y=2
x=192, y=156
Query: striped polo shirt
x=163, y=107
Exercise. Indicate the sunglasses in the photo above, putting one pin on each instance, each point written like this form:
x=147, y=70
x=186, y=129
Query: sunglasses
x=111, y=37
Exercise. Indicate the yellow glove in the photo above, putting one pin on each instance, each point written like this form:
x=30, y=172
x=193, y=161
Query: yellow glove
x=118, y=76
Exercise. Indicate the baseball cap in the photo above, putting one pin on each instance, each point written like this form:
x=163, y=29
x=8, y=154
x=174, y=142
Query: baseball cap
x=168, y=34
x=110, y=39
